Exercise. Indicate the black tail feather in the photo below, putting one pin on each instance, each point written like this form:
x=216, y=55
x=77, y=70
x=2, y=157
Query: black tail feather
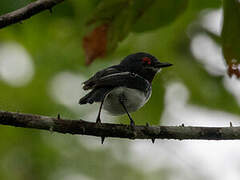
x=87, y=98
x=96, y=95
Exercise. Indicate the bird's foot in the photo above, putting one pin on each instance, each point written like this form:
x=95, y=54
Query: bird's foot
x=132, y=124
x=98, y=121
x=133, y=129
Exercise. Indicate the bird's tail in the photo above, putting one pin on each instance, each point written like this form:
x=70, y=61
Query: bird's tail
x=96, y=95
x=87, y=98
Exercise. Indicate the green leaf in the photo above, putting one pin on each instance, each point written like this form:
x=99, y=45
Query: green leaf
x=7, y=6
x=119, y=17
x=159, y=14
x=231, y=35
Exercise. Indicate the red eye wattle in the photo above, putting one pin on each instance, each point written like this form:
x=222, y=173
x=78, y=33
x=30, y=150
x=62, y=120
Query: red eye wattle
x=147, y=60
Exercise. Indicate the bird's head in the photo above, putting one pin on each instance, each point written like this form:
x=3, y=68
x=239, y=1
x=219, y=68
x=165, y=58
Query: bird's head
x=143, y=64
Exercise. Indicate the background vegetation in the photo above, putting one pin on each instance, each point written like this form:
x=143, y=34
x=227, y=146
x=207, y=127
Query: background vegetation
x=42, y=65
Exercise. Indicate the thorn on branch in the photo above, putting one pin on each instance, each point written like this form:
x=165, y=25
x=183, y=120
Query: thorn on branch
x=147, y=127
x=102, y=139
x=147, y=124
x=118, y=131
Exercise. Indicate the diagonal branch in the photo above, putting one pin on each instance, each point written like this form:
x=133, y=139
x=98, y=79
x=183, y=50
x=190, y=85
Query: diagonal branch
x=117, y=130
x=27, y=12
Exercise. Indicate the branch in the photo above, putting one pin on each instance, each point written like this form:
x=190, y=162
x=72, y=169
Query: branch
x=27, y=12
x=117, y=130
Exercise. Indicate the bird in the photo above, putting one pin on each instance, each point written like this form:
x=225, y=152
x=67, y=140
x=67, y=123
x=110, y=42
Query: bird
x=123, y=88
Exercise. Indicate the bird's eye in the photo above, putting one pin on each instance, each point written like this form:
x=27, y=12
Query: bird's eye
x=146, y=60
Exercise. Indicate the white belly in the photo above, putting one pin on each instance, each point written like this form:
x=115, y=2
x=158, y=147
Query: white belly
x=135, y=99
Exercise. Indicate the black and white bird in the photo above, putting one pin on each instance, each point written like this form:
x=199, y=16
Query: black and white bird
x=125, y=87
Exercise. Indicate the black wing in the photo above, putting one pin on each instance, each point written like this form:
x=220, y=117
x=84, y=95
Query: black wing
x=105, y=84
x=91, y=82
x=126, y=79
x=96, y=95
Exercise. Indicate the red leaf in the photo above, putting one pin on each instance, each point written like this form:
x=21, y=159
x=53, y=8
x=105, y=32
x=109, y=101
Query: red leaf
x=95, y=43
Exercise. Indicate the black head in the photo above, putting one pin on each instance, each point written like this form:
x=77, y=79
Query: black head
x=143, y=64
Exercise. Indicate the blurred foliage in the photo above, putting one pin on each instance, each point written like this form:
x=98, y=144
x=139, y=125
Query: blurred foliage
x=231, y=36
x=11, y=5
x=54, y=42
x=118, y=18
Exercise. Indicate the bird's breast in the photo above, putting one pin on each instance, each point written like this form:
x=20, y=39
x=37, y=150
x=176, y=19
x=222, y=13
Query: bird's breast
x=133, y=100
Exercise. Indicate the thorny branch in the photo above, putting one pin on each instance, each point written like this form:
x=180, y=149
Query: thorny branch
x=27, y=12
x=118, y=130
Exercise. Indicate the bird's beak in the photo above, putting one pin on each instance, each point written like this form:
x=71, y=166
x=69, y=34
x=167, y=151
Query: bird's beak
x=162, y=65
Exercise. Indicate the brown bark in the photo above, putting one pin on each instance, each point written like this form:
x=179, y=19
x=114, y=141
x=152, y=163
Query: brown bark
x=27, y=12
x=117, y=130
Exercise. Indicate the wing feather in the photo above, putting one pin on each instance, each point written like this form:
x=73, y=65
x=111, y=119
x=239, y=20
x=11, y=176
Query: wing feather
x=91, y=82
x=126, y=79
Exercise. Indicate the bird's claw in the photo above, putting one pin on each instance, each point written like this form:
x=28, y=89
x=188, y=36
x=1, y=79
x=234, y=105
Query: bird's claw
x=98, y=120
x=132, y=124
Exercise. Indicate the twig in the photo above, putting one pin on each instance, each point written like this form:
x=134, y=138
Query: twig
x=117, y=130
x=27, y=12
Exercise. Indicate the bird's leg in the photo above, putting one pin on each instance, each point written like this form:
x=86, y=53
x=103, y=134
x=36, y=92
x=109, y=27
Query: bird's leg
x=121, y=100
x=99, y=113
